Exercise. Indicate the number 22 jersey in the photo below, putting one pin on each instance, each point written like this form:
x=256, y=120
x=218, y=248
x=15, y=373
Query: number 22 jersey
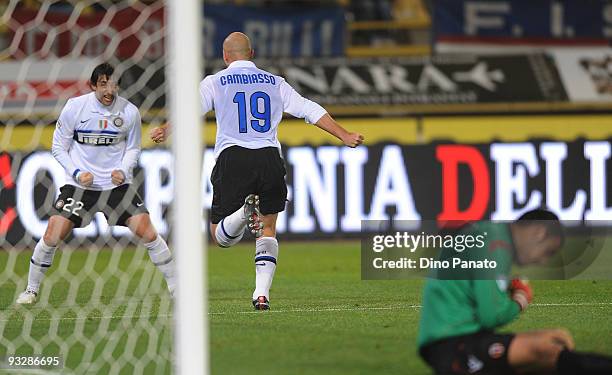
x=91, y=137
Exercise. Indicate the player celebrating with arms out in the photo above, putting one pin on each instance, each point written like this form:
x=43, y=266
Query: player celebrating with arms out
x=249, y=104
x=97, y=141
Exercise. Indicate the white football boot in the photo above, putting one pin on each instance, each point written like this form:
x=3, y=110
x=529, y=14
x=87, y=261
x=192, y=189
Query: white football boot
x=27, y=298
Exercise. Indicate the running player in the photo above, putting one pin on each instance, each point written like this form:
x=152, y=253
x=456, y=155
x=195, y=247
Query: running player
x=97, y=141
x=249, y=176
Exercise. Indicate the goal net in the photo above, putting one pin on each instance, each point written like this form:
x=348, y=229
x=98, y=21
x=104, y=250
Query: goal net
x=103, y=306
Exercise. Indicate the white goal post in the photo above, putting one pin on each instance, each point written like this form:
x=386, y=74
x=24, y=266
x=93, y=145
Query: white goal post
x=103, y=305
x=184, y=71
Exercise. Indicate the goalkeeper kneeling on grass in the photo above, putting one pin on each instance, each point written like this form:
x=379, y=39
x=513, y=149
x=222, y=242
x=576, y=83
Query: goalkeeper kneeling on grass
x=458, y=319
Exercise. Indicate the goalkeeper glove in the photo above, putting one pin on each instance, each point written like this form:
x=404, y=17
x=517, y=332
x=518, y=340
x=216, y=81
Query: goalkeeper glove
x=521, y=293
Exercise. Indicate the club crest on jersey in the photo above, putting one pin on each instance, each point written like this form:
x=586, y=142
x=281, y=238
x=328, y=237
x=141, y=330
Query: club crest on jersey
x=496, y=350
x=103, y=124
x=59, y=204
x=118, y=122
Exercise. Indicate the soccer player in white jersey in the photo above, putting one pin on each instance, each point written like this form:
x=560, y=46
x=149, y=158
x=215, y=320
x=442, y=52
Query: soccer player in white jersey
x=249, y=175
x=97, y=141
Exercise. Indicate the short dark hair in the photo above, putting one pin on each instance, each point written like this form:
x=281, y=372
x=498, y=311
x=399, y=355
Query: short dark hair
x=544, y=217
x=104, y=69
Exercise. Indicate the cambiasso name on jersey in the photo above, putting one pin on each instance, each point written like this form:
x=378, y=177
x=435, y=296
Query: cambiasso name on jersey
x=97, y=138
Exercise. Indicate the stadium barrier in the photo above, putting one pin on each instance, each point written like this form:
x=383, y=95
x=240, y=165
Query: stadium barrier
x=558, y=81
x=453, y=174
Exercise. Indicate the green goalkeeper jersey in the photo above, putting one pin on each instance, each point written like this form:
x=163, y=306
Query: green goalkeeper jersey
x=460, y=307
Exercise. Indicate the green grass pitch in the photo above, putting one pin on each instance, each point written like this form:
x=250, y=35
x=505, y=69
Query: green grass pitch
x=324, y=319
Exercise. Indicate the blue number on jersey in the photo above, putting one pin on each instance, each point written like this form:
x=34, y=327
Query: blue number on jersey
x=260, y=116
x=239, y=99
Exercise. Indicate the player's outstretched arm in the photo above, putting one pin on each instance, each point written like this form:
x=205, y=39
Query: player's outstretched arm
x=327, y=123
x=298, y=106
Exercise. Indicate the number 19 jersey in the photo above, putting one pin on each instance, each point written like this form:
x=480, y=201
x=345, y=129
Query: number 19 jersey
x=249, y=104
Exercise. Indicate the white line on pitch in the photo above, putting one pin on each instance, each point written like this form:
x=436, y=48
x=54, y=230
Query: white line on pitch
x=572, y=304
x=322, y=309
x=147, y=316
x=399, y=307
x=287, y=311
